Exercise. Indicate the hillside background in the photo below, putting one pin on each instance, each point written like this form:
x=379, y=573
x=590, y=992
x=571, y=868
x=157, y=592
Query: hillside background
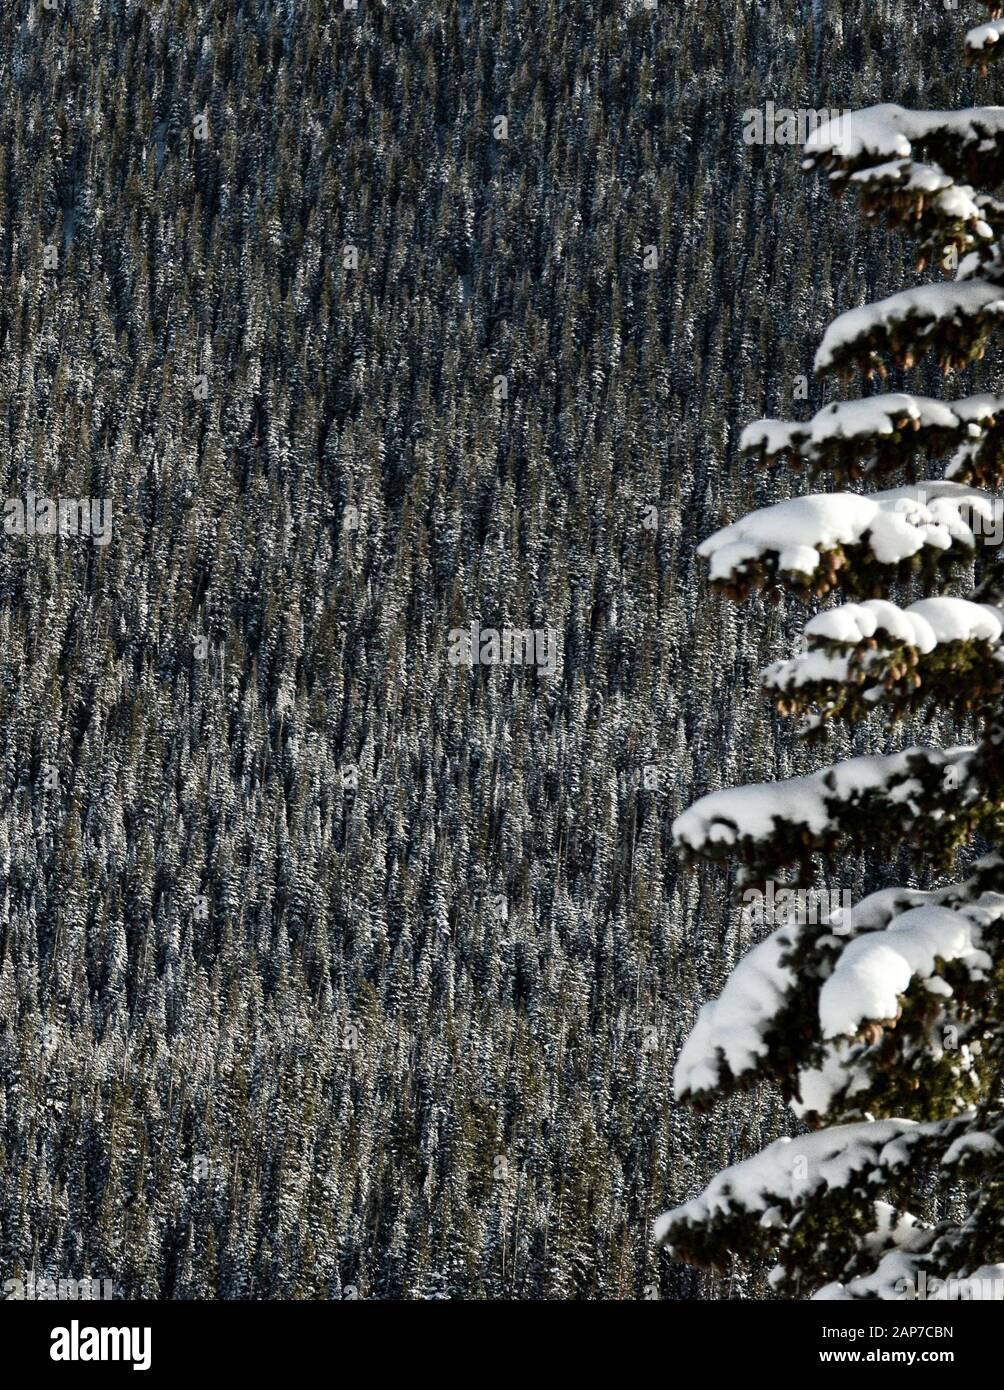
x=328, y=969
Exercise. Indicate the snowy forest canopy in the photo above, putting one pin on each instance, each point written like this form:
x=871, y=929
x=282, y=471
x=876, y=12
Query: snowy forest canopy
x=329, y=967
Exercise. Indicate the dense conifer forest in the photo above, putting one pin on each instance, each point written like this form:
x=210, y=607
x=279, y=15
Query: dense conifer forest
x=328, y=968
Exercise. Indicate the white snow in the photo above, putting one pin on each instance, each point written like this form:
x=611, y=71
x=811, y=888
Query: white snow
x=838, y=1074
x=928, y=305
x=897, y=524
x=957, y=619
x=811, y=669
x=955, y=201
x=732, y=1026
x=878, y=415
x=753, y=812
x=875, y=911
x=905, y=173
x=875, y=969
x=902, y=1274
x=978, y=408
x=976, y=1142
x=851, y=623
x=818, y=1085
x=984, y=36
x=889, y=130
x=773, y=436
x=789, y=1170
x=923, y=625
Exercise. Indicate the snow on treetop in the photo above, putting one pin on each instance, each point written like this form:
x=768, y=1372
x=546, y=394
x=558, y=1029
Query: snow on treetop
x=984, y=36
x=876, y=910
x=731, y=1028
x=922, y=625
x=875, y=969
x=895, y=524
x=795, y=531
x=949, y=619
x=754, y=812
x=889, y=130
x=790, y=1170
x=929, y=306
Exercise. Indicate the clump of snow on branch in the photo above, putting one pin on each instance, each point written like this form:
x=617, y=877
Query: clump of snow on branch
x=891, y=131
x=894, y=526
x=875, y=416
x=875, y=969
x=926, y=307
x=791, y=1170
x=756, y=811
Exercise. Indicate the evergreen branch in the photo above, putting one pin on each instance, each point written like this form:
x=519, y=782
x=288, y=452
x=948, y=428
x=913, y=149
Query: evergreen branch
x=860, y=544
x=852, y=440
x=863, y=657
x=940, y=797
x=952, y=321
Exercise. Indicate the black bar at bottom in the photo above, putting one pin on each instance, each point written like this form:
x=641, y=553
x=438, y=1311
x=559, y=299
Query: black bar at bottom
x=161, y=1340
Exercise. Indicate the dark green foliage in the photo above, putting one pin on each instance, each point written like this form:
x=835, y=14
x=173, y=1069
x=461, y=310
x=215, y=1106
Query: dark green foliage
x=327, y=967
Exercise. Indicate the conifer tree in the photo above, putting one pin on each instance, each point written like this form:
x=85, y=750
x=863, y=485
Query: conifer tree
x=880, y=1022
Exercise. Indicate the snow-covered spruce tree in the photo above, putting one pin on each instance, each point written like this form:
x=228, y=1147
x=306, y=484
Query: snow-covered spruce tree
x=883, y=1023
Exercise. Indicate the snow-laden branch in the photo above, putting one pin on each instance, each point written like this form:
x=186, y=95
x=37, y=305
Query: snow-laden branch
x=967, y=142
x=874, y=970
x=876, y=802
x=844, y=437
x=923, y=625
x=822, y=976
x=983, y=44
x=807, y=542
x=863, y=654
x=954, y=320
x=946, y=218
x=730, y=1038
x=784, y=1176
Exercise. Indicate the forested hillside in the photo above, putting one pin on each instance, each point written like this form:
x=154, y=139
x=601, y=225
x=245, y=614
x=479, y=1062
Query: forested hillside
x=329, y=968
